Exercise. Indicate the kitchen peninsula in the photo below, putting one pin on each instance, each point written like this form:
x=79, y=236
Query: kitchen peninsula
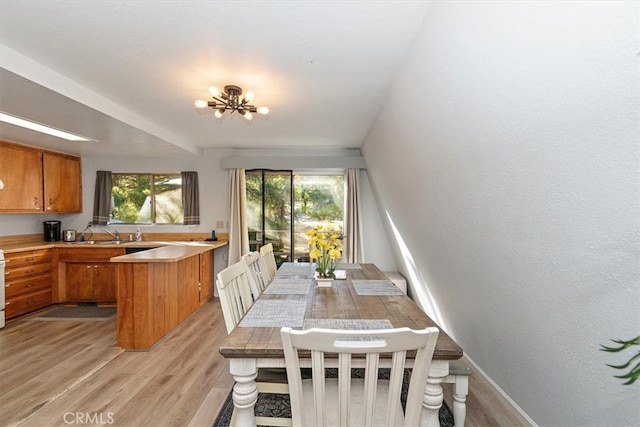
x=159, y=288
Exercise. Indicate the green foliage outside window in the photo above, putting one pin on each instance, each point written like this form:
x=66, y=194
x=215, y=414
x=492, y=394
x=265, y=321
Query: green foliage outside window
x=147, y=199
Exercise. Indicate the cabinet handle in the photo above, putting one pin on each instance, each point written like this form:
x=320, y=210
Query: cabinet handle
x=35, y=201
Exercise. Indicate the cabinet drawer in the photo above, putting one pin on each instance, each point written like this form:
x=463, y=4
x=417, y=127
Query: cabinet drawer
x=82, y=254
x=27, y=285
x=17, y=259
x=13, y=273
x=26, y=303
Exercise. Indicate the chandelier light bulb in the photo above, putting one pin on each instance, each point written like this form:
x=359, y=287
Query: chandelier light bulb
x=249, y=96
x=248, y=115
x=263, y=110
x=200, y=103
x=214, y=91
x=218, y=114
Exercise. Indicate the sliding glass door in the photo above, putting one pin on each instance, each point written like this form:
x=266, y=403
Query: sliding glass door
x=283, y=205
x=269, y=214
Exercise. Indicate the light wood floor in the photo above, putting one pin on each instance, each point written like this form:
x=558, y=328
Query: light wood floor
x=55, y=371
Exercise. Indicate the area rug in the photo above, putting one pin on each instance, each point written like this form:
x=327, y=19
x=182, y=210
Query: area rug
x=277, y=405
x=79, y=313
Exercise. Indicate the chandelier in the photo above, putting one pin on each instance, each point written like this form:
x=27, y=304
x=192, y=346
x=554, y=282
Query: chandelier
x=229, y=100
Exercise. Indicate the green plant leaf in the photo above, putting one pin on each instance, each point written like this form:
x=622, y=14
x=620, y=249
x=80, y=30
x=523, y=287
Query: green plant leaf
x=634, y=373
x=623, y=345
x=637, y=356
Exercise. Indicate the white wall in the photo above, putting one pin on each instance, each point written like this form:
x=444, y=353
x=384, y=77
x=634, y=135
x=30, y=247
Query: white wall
x=507, y=157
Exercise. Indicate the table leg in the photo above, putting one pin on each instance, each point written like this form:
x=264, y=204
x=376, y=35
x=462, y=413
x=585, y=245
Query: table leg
x=245, y=391
x=433, y=395
x=460, y=391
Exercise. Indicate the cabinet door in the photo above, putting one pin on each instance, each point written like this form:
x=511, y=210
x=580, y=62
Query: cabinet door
x=21, y=176
x=104, y=282
x=79, y=282
x=62, y=183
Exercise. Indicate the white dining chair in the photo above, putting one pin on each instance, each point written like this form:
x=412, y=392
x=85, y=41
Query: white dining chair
x=344, y=401
x=258, y=270
x=234, y=285
x=266, y=252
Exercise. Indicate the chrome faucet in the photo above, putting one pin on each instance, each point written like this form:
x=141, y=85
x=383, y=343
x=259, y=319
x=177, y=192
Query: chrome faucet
x=115, y=234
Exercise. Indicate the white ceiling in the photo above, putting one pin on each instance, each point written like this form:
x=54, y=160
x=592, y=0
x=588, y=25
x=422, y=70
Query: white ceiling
x=126, y=73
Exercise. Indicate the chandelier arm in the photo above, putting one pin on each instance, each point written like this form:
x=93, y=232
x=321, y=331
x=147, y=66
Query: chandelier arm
x=247, y=107
x=219, y=100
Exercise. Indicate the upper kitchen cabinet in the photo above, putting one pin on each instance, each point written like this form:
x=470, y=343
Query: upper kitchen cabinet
x=33, y=180
x=62, y=183
x=20, y=178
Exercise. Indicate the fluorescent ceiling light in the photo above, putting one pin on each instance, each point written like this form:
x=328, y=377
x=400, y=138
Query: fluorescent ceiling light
x=38, y=127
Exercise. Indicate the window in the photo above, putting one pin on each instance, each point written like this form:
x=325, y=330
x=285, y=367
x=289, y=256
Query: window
x=283, y=205
x=146, y=199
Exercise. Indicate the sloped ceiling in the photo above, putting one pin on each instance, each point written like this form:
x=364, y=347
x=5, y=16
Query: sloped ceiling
x=126, y=73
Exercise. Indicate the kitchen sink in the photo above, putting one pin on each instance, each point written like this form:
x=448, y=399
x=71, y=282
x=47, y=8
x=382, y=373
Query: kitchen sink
x=102, y=242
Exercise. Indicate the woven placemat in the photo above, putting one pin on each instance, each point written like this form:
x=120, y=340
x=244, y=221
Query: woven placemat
x=288, y=286
x=269, y=313
x=304, y=269
x=348, y=266
x=375, y=287
x=351, y=324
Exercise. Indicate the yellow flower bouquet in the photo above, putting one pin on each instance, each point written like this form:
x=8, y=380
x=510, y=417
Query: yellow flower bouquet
x=325, y=248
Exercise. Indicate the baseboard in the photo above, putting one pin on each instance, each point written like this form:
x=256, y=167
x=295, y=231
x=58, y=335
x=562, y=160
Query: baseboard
x=477, y=369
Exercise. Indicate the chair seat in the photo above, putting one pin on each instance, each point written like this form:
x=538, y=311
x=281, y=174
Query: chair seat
x=356, y=408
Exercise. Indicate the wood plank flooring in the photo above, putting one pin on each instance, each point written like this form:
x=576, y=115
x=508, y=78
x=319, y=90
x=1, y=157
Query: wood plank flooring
x=56, y=371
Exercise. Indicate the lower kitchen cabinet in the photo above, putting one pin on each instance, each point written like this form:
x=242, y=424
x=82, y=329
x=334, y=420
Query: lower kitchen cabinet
x=86, y=275
x=28, y=281
x=94, y=282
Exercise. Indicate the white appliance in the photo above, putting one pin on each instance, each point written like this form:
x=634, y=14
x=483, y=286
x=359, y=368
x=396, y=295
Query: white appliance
x=2, y=289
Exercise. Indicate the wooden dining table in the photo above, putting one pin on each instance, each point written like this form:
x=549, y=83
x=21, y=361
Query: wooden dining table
x=366, y=299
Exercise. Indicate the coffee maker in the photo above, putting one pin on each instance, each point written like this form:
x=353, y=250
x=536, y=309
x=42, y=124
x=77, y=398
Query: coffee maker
x=51, y=231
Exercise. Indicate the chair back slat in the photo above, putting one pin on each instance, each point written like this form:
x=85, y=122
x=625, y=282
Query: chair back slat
x=258, y=272
x=375, y=344
x=234, y=290
x=344, y=387
x=266, y=252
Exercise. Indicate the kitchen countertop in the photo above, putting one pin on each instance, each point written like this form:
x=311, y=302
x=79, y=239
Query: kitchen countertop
x=167, y=251
x=28, y=246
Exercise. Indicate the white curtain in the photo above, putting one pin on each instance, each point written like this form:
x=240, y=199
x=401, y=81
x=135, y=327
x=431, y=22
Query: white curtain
x=238, y=233
x=354, y=250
